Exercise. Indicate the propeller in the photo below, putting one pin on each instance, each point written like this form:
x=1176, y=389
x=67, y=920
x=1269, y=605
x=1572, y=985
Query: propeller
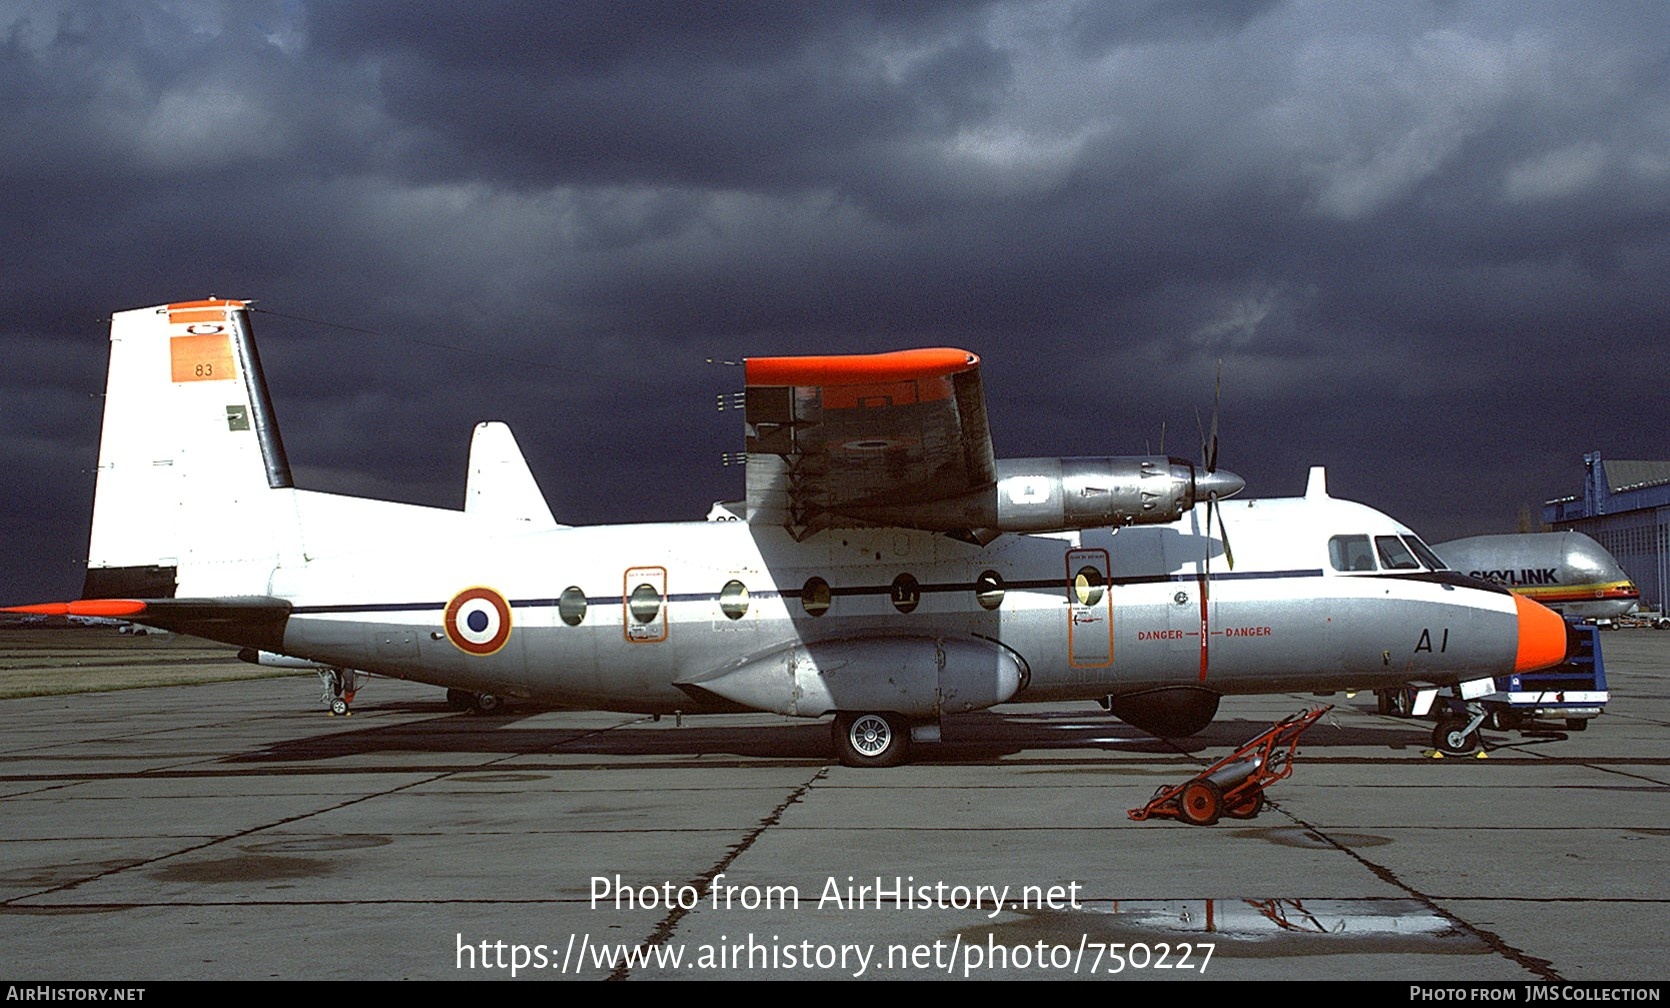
x=1212, y=485
x=1215, y=484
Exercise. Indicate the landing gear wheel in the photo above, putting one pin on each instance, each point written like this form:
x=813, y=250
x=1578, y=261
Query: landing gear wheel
x=459, y=699
x=1200, y=803
x=1245, y=806
x=339, y=707
x=1450, y=736
x=486, y=703
x=1577, y=724
x=871, y=739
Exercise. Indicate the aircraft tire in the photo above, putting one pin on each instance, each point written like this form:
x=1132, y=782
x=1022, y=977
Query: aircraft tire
x=871, y=739
x=339, y=706
x=1577, y=724
x=459, y=699
x=1200, y=803
x=486, y=703
x=1448, y=737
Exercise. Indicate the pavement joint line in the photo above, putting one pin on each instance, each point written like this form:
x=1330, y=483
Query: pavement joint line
x=664, y=930
x=1540, y=967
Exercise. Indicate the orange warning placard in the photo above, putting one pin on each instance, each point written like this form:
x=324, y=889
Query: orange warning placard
x=201, y=358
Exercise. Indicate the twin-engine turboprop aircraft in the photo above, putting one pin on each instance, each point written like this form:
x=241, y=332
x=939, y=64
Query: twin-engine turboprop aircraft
x=884, y=568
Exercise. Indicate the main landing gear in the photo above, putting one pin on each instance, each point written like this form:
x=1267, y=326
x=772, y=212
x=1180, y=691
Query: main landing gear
x=480, y=703
x=871, y=739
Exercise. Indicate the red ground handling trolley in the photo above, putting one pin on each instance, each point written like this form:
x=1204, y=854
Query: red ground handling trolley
x=1234, y=786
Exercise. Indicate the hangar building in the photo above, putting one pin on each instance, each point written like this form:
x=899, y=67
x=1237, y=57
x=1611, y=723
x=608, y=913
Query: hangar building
x=1624, y=506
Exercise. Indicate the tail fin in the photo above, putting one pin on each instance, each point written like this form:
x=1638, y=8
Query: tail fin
x=500, y=486
x=193, y=493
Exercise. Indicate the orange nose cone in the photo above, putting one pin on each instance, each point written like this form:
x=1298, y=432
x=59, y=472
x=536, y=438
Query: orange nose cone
x=1542, y=636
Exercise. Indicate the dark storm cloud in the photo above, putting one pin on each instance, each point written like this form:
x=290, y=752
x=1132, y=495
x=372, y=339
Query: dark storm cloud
x=1429, y=242
x=768, y=96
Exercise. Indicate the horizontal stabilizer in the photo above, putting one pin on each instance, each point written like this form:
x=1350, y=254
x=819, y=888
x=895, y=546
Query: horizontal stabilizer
x=255, y=621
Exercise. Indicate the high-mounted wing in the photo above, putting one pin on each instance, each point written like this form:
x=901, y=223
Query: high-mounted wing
x=900, y=440
x=867, y=439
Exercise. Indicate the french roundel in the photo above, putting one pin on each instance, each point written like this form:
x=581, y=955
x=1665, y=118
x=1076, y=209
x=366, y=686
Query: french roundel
x=478, y=621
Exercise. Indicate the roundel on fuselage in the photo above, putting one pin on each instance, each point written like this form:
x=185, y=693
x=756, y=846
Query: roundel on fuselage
x=477, y=621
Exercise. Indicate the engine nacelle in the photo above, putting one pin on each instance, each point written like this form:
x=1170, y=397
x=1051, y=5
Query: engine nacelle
x=1050, y=494
x=1060, y=494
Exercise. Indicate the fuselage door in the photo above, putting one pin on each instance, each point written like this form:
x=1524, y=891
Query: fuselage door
x=1089, y=609
x=645, y=600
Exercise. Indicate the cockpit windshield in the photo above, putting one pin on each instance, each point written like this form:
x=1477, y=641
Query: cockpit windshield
x=1357, y=553
x=1394, y=555
x=1424, y=551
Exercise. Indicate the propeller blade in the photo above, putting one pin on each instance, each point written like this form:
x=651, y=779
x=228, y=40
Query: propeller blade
x=1211, y=457
x=1206, y=561
x=1223, y=534
x=1202, y=431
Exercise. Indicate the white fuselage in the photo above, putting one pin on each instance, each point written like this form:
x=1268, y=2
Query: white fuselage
x=1085, y=615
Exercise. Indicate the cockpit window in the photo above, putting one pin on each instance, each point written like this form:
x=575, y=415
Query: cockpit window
x=1394, y=555
x=1351, y=553
x=1424, y=551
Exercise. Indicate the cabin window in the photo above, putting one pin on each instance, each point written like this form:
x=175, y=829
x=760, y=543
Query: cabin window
x=1394, y=555
x=1424, y=551
x=814, y=596
x=906, y=593
x=1351, y=553
x=644, y=603
x=1088, y=586
x=988, y=590
x=733, y=599
x=571, y=605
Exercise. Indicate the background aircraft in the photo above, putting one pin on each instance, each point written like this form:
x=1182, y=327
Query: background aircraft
x=1566, y=571
x=884, y=567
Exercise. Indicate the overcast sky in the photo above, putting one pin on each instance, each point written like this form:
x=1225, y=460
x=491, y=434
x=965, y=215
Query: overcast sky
x=1430, y=242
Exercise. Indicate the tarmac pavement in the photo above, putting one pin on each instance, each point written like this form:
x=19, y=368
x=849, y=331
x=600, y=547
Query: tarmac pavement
x=234, y=830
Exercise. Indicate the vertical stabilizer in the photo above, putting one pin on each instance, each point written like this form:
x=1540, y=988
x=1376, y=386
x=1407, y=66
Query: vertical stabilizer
x=500, y=486
x=193, y=493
